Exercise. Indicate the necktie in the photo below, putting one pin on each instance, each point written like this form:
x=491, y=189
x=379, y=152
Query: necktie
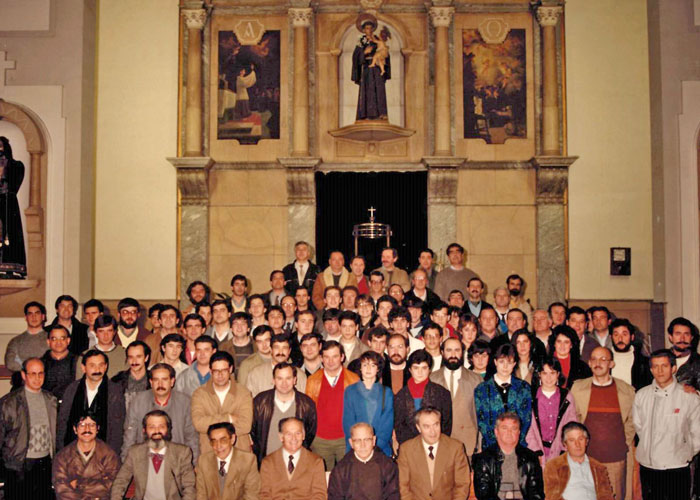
x=222, y=468
x=430, y=453
x=290, y=466
x=157, y=459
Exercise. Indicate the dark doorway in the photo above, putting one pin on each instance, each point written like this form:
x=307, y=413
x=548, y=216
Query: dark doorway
x=342, y=200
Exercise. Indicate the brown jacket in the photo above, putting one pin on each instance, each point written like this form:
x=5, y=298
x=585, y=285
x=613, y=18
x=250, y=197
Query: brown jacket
x=451, y=476
x=313, y=383
x=207, y=410
x=325, y=279
x=93, y=480
x=556, y=476
x=242, y=478
x=307, y=483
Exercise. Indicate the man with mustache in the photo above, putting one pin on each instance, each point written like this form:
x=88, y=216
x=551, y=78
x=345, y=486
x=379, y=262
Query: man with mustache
x=631, y=365
x=93, y=392
x=161, y=397
x=87, y=467
x=461, y=384
x=516, y=288
x=135, y=379
x=683, y=337
x=159, y=467
x=261, y=379
x=398, y=348
x=129, y=311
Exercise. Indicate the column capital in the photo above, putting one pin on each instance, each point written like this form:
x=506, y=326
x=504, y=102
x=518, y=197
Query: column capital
x=194, y=18
x=441, y=17
x=301, y=187
x=552, y=178
x=549, y=15
x=193, y=178
x=442, y=179
x=301, y=18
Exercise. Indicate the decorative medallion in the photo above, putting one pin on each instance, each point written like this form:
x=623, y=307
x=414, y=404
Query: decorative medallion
x=249, y=31
x=493, y=30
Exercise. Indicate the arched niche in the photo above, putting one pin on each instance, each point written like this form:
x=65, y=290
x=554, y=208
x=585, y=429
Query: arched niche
x=348, y=90
x=35, y=143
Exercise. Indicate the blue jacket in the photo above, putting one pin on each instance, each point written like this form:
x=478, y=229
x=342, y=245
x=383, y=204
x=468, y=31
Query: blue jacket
x=355, y=411
x=489, y=406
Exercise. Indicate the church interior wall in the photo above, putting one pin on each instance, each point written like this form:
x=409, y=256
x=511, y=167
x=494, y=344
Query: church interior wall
x=609, y=129
x=137, y=105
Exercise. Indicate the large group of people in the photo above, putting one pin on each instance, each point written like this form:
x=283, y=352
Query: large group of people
x=343, y=384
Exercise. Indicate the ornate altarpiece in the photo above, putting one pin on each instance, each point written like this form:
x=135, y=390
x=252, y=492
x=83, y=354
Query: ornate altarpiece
x=480, y=90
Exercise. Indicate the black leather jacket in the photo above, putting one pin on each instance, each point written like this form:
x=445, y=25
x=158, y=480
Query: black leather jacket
x=487, y=473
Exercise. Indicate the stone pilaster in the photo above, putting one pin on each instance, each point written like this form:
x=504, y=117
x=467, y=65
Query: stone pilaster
x=194, y=21
x=301, y=200
x=551, y=189
x=441, y=18
x=301, y=20
x=442, y=200
x=193, y=186
x=548, y=17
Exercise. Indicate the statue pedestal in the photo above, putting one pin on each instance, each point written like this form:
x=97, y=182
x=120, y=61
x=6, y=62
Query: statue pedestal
x=8, y=287
x=371, y=131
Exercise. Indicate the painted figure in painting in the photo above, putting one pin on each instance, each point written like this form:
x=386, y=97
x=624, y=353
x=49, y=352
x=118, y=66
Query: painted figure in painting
x=248, y=104
x=13, y=261
x=370, y=73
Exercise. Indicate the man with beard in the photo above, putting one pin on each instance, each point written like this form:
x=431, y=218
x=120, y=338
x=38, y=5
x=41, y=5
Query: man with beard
x=604, y=405
x=161, y=397
x=87, y=467
x=159, y=467
x=128, y=311
x=135, y=379
x=197, y=292
x=516, y=289
x=393, y=274
x=461, y=384
x=260, y=378
x=683, y=337
x=631, y=365
x=94, y=392
x=397, y=348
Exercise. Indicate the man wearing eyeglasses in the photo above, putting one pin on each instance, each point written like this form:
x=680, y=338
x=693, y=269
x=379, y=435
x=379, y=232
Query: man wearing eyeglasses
x=87, y=467
x=604, y=406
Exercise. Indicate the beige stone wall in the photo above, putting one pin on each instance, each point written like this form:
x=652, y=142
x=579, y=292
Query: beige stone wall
x=496, y=224
x=609, y=129
x=137, y=104
x=247, y=226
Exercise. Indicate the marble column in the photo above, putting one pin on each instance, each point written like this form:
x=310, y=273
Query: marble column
x=34, y=214
x=193, y=186
x=441, y=18
x=442, y=200
x=301, y=20
x=194, y=21
x=301, y=200
x=548, y=17
x=551, y=220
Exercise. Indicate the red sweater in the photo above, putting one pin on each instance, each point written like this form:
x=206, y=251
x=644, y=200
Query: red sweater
x=329, y=410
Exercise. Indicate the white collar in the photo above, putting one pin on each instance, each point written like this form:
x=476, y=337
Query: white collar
x=226, y=460
x=608, y=383
x=368, y=458
x=426, y=445
x=500, y=381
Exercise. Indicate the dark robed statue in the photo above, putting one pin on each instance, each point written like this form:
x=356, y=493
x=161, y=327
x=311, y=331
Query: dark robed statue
x=13, y=261
x=371, y=67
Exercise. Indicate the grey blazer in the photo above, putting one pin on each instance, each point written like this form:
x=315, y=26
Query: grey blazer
x=178, y=409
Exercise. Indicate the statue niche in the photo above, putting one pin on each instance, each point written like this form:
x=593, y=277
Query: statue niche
x=371, y=83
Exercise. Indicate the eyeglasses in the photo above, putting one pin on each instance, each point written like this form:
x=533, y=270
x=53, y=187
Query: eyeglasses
x=87, y=425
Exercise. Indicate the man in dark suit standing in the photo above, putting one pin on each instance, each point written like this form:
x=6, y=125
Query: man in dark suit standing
x=432, y=465
x=302, y=272
x=66, y=307
x=159, y=467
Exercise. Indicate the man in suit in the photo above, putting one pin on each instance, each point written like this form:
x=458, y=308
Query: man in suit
x=391, y=273
x=576, y=319
x=159, y=467
x=302, y=272
x=334, y=275
x=226, y=473
x=432, y=465
x=461, y=384
x=273, y=297
x=66, y=307
x=292, y=472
